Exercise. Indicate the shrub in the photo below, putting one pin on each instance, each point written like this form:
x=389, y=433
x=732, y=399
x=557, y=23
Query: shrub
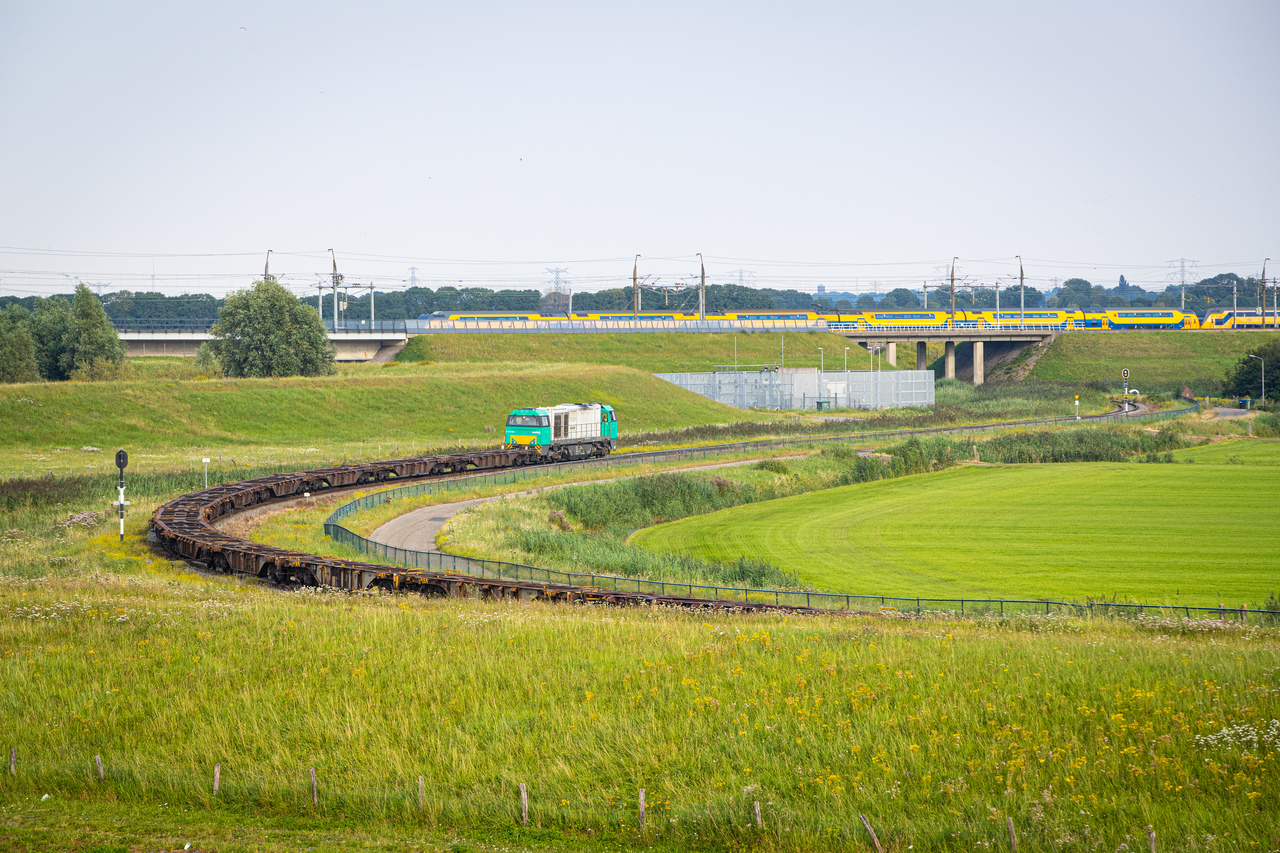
x=777, y=466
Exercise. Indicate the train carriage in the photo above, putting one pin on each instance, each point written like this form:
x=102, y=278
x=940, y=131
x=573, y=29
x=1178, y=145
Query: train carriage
x=1242, y=318
x=1147, y=318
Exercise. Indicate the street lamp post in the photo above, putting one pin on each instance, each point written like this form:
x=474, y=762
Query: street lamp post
x=846, y=359
x=821, y=359
x=1264, y=377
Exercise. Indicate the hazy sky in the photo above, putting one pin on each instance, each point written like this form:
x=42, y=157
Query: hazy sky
x=809, y=143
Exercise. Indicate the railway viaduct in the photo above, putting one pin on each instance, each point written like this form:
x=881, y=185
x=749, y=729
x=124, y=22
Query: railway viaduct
x=352, y=344
x=1007, y=338
x=387, y=337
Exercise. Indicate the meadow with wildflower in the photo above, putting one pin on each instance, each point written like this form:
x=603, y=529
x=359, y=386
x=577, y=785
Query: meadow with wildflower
x=1083, y=732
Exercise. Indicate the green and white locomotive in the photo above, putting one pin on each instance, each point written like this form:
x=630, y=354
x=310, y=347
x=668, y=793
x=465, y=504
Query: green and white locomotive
x=567, y=431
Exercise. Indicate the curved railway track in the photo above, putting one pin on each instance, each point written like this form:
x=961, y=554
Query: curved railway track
x=185, y=529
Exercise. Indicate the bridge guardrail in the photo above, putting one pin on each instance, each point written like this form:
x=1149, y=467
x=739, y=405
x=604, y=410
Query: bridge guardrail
x=193, y=324
x=498, y=569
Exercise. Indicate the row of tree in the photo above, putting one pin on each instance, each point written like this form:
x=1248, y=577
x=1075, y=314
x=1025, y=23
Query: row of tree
x=1074, y=294
x=58, y=339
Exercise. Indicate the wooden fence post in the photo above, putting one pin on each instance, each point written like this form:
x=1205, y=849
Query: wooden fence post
x=524, y=805
x=759, y=821
x=642, y=808
x=217, y=778
x=422, y=794
x=102, y=774
x=1151, y=838
x=315, y=793
x=872, y=833
x=1013, y=838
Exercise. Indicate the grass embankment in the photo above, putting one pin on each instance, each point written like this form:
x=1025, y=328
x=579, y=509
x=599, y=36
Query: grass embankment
x=364, y=415
x=656, y=352
x=1164, y=361
x=373, y=412
x=1152, y=533
x=1082, y=733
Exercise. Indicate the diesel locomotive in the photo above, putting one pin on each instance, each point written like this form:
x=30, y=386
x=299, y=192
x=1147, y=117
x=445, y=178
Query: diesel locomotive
x=564, y=432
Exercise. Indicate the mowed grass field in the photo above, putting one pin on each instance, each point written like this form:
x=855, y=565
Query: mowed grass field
x=1199, y=534
x=362, y=413
x=1157, y=360
x=659, y=352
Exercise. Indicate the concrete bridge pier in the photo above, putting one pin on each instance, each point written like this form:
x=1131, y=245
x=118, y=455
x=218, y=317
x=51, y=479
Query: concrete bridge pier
x=922, y=349
x=891, y=351
x=949, y=361
x=979, y=363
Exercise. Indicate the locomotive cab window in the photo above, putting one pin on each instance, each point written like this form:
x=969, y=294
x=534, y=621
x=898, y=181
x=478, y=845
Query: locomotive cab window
x=526, y=421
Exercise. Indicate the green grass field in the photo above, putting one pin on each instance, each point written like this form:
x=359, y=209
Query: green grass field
x=937, y=730
x=1188, y=534
x=1157, y=361
x=361, y=413
x=661, y=352
x=1256, y=452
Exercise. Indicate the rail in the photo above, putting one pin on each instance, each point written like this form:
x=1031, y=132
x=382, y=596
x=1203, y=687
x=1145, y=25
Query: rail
x=778, y=598
x=194, y=324
x=622, y=325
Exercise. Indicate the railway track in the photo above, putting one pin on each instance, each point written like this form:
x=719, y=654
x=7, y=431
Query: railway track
x=185, y=529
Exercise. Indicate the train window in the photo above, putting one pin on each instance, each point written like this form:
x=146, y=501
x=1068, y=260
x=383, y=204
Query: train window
x=526, y=421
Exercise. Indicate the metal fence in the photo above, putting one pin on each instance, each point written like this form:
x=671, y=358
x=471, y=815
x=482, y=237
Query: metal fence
x=438, y=561
x=450, y=563
x=194, y=324
x=848, y=389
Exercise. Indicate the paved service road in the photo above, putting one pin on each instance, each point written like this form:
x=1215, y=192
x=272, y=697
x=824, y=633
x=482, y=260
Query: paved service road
x=1224, y=412
x=416, y=530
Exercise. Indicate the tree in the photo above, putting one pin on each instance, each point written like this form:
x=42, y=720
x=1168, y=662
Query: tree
x=265, y=331
x=90, y=336
x=50, y=324
x=17, y=348
x=1011, y=297
x=1077, y=293
x=866, y=302
x=901, y=299
x=1245, y=379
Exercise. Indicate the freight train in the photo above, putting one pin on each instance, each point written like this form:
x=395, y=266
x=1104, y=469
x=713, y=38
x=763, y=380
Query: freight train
x=1124, y=319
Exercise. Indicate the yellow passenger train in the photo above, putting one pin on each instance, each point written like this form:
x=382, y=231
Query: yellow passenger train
x=1111, y=318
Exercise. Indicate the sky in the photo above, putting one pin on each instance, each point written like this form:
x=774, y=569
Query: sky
x=854, y=145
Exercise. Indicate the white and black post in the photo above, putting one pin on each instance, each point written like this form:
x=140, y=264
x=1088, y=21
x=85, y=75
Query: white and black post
x=122, y=462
